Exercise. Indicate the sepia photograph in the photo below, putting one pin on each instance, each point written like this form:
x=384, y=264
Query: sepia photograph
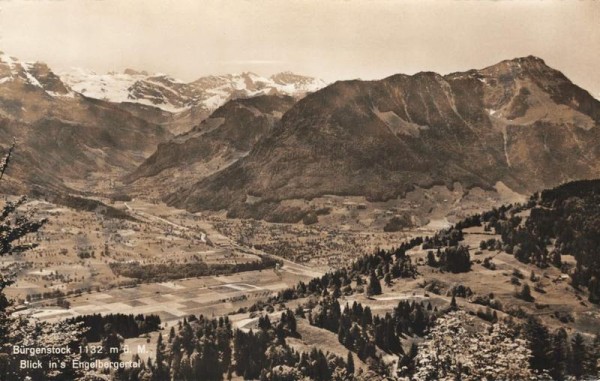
x=311, y=190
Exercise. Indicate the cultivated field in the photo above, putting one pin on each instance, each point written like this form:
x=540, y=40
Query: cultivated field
x=210, y=296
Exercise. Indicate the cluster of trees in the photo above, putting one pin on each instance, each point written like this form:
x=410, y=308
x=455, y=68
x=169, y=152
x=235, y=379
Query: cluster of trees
x=374, y=286
x=45, y=295
x=199, y=349
x=85, y=204
x=398, y=223
x=285, y=327
x=354, y=327
x=491, y=244
x=383, y=264
x=209, y=349
x=334, y=281
x=526, y=245
x=401, y=250
x=470, y=221
x=559, y=355
x=361, y=332
x=565, y=219
x=165, y=272
x=390, y=264
x=56, y=294
x=412, y=318
x=447, y=237
x=251, y=352
x=314, y=365
x=125, y=325
x=502, y=213
x=455, y=259
x=572, y=218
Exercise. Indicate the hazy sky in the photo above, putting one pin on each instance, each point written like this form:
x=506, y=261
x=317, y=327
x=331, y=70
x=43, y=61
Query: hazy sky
x=337, y=39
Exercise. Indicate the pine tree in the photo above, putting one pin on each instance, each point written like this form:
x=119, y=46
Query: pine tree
x=342, y=335
x=336, y=292
x=578, y=356
x=556, y=258
x=560, y=355
x=453, y=304
x=532, y=276
x=264, y=323
x=539, y=344
x=525, y=293
x=171, y=334
x=350, y=363
x=374, y=287
x=291, y=323
x=160, y=373
x=431, y=261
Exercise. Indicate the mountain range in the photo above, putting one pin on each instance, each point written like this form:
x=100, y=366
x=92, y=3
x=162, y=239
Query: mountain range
x=248, y=144
x=190, y=102
x=63, y=136
x=72, y=125
x=518, y=122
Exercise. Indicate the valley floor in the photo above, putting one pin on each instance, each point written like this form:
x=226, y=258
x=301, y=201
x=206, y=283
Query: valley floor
x=77, y=248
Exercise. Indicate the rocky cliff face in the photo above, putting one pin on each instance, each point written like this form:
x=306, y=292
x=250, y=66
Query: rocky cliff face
x=519, y=122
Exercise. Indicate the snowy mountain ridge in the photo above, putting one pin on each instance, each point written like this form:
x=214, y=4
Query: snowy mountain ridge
x=162, y=91
x=169, y=94
x=35, y=74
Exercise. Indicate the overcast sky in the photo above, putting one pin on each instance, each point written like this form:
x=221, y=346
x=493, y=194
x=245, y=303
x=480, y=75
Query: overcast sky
x=337, y=39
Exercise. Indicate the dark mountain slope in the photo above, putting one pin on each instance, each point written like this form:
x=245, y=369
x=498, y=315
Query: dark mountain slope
x=519, y=122
x=63, y=136
x=228, y=134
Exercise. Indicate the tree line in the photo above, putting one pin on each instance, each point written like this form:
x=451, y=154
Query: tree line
x=158, y=272
x=125, y=325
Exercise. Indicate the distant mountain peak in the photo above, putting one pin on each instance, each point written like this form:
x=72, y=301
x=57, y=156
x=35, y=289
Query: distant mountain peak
x=531, y=58
x=169, y=94
x=135, y=72
x=35, y=74
x=520, y=64
x=158, y=90
x=525, y=60
x=288, y=77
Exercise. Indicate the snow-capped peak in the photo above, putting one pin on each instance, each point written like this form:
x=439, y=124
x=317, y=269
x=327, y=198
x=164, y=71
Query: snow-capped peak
x=34, y=74
x=153, y=89
x=9, y=68
x=112, y=87
x=170, y=94
x=8, y=60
